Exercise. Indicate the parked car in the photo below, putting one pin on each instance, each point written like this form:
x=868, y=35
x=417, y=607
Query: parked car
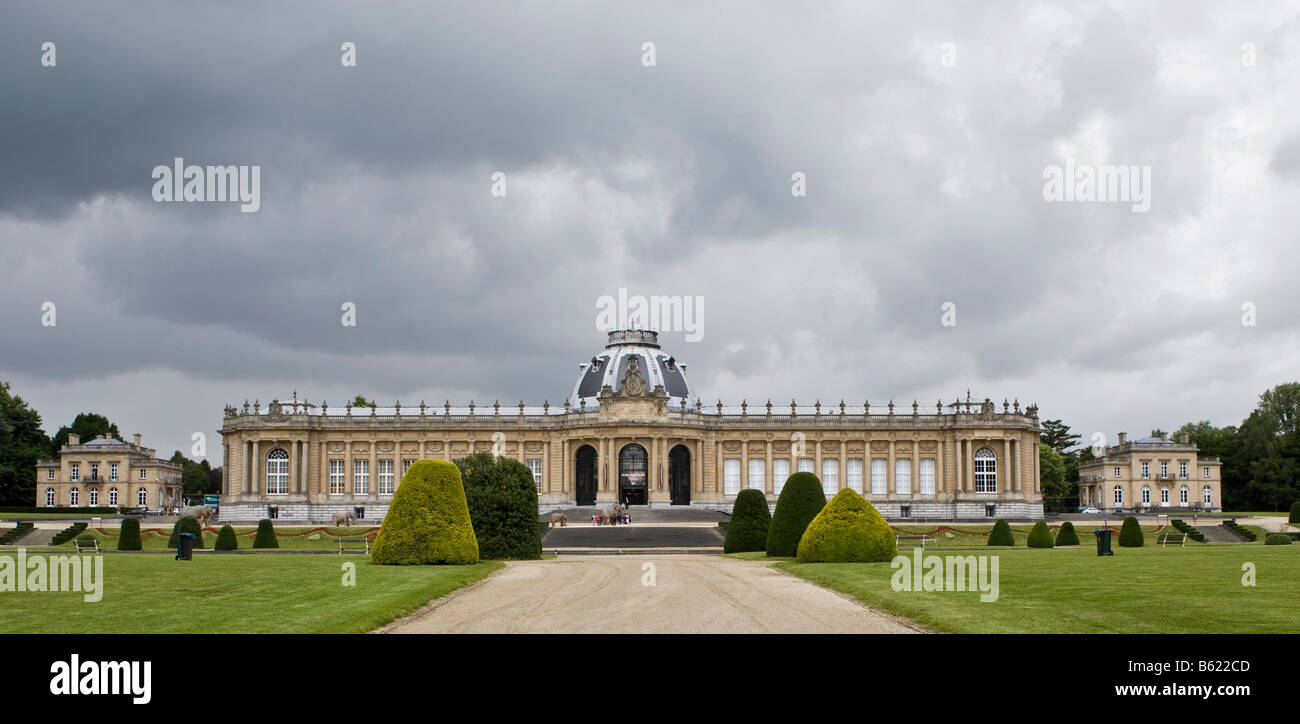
x=1089, y=511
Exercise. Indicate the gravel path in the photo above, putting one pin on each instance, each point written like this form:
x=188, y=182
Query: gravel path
x=604, y=594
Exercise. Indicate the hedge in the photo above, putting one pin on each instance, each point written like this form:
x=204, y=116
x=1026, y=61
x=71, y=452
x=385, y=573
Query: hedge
x=1246, y=533
x=18, y=530
x=128, y=538
x=750, y=521
x=57, y=509
x=265, y=535
x=800, y=501
x=226, y=540
x=186, y=524
x=1067, y=536
x=1130, y=533
x=1191, y=532
x=1040, y=536
x=502, y=499
x=847, y=530
x=1001, y=535
x=428, y=520
x=68, y=533
x=1277, y=539
x=1295, y=513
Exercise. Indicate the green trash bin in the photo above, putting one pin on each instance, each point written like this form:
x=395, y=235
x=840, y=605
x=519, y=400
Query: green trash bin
x=185, y=547
x=1103, y=542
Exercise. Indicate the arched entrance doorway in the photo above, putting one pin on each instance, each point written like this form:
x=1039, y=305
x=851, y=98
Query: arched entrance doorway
x=633, y=474
x=679, y=475
x=584, y=481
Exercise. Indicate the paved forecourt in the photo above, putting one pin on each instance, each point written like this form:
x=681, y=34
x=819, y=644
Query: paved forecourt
x=607, y=594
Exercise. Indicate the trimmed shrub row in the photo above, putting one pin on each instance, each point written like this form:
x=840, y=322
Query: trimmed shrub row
x=1001, y=534
x=800, y=501
x=1067, y=536
x=18, y=530
x=1236, y=527
x=847, y=530
x=56, y=509
x=428, y=520
x=128, y=538
x=502, y=500
x=1277, y=539
x=1040, y=536
x=750, y=520
x=1295, y=513
x=68, y=533
x=1191, y=532
x=1130, y=534
x=265, y=537
x=226, y=540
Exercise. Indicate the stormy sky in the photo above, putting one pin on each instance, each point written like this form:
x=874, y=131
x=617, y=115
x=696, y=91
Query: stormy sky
x=923, y=131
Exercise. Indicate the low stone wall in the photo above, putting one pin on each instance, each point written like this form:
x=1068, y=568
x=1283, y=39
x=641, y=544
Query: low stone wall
x=300, y=512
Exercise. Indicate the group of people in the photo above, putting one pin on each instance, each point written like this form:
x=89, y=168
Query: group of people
x=614, y=516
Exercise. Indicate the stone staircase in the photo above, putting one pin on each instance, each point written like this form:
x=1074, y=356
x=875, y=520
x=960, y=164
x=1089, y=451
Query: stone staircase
x=1219, y=534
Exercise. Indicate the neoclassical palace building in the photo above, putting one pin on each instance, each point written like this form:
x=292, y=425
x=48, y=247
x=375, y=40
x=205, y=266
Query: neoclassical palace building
x=633, y=430
x=1151, y=474
x=107, y=472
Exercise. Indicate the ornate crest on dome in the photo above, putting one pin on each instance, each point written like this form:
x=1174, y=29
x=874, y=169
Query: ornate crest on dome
x=633, y=383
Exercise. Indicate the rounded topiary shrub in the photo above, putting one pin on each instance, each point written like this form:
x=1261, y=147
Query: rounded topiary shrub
x=800, y=501
x=128, y=538
x=1130, y=534
x=428, y=520
x=1277, y=539
x=1001, y=535
x=265, y=535
x=1066, y=536
x=750, y=520
x=226, y=540
x=502, y=499
x=847, y=530
x=1040, y=536
x=186, y=524
x=1295, y=513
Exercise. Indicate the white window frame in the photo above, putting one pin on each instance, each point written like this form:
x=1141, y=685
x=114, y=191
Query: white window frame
x=780, y=471
x=1182, y=469
x=1119, y=495
x=338, y=476
x=879, y=476
x=1184, y=496
x=112, y=497
x=385, y=475
x=277, y=472
x=1207, y=495
x=731, y=476
x=74, y=473
x=49, y=474
x=142, y=497
x=361, y=476
x=535, y=466
x=757, y=473
x=1146, y=470
x=94, y=470
x=830, y=475
x=903, y=476
x=144, y=474
x=986, y=470
x=112, y=472
x=807, y=465
x=1117, y=471
x=50, y=498
x=1206, y=473
x=853, y=475
x=406, y=467
x=1164, y=469
x=1146, y=495
x=92, y=497
x=72, y=497
x=928, y=466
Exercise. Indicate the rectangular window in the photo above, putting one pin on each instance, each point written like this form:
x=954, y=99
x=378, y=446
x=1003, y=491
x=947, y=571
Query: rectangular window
x=338, y=482
x=49, y=475
x=731, y=476
x=1146, y=469
x=1182, y=469
x=1205, y=473
x=780, y=471
x=406, y=465
x=903, y=476
x=535, y=465
x=75, y=472
x=112, y=472
x=757, y=469
x=806, y=465
x=879, y=483
x=830, y=475
x=360, y=477
x=385, y=477
x=927, y=476
x=1164, y=470
x=94, y=471
x=144, y=474
x=1117, y=471
x=854, y=475
x=94, y=497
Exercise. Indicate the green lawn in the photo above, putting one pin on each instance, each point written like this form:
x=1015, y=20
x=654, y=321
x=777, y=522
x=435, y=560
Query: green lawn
x=237, y=594
x=975, y=536
x=1197, y=589
x=317, y=540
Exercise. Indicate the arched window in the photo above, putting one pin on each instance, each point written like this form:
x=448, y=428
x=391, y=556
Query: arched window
x=72, y=497
x=1146, y=495
x=277, y=472
x=986, y=471
x=142, y=498
x=1119, y=495
x=94, y=497
x=1207, y=496
x=112, y=497
x=49, y=497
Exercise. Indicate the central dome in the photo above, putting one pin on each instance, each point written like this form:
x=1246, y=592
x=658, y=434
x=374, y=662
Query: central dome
x=611, y=366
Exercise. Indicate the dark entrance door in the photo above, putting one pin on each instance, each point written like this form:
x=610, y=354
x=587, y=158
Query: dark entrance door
x=679, y=475
x=633, y=474
x=584, y=482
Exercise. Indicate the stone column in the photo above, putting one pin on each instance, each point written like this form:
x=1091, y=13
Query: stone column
x=1006, y=458
x=744, y=464
x=770, y=475
x=891, y=476
x=257, y=448
x=916, y=469
x=844, y=464
x=940, y=484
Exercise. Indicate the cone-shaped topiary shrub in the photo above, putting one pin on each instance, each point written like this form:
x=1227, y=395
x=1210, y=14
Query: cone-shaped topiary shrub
x=800, y=501
x=1130, y=534
x=186, y=524
x=750, y=520
x=1066, y=535
x=1295, y=513
x=1001, y=535
x=1040, y=536
x=265, y=537
x=502, y=499
x=847, y=530
x=1277, y=539
x=129, y=537
x=428, y=520
x=226, y=540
